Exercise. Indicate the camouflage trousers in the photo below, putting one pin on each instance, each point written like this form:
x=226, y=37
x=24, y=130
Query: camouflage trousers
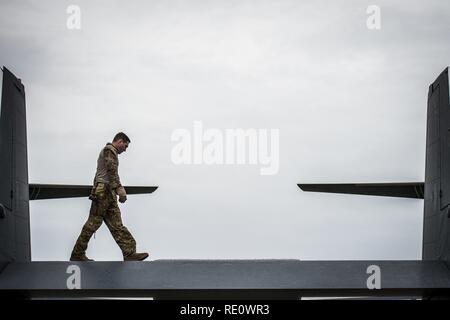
x=104, y=207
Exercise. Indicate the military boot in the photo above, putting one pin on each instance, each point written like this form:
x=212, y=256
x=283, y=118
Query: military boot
x=79, y=258
x=136, y=256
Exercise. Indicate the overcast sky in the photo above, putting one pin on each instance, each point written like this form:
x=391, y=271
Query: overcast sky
x=349, y=104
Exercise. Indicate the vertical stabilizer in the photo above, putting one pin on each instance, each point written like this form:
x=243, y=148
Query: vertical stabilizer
x=14, y=210
x=436, y=234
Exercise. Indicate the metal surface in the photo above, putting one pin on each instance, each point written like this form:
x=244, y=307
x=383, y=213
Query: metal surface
x=15, y=226
x=56, y=191
x=404, y=190
x=436, y=232
x=191, y=278
x=2, y=211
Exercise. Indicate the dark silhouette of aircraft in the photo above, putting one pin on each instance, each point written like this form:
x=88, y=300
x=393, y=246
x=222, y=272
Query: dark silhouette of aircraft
x=221, y=279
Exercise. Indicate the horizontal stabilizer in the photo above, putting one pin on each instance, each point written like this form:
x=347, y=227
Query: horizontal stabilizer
x=58, y=191
x=227, y=279
x=413, y=190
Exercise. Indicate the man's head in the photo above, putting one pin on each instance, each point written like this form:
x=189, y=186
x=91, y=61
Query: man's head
x=120, y=142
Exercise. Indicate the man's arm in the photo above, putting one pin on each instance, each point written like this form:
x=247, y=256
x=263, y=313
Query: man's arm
x=112, y=166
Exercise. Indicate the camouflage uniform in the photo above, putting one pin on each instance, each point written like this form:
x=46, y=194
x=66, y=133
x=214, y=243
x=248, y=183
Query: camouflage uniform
x=104, y=206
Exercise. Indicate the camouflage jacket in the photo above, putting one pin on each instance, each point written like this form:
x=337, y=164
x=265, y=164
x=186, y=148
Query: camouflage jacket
x=107, y=167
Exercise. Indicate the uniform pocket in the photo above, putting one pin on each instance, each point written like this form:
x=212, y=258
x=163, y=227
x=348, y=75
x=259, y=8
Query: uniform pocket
x=100, y=192
x=114, y=194
x=100, y=188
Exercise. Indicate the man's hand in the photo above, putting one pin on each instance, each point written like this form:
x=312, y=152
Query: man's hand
x=122, y=194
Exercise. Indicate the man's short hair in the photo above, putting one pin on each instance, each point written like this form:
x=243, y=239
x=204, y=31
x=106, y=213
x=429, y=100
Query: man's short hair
x=122, y=136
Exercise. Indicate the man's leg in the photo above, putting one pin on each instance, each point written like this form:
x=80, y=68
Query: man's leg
x=119, y=232
x=93, y=222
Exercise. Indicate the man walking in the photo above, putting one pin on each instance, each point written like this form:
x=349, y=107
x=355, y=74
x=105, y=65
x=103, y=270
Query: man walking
x=104, y=205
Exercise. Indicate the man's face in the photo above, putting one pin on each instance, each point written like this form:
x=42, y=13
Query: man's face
x=122, y=146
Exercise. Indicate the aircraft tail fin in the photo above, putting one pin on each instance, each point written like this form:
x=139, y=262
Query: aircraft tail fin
x=14, y=207
x=436, y=222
